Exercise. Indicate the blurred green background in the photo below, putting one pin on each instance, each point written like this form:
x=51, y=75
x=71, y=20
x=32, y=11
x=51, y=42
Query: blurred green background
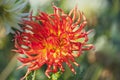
x=103, y=63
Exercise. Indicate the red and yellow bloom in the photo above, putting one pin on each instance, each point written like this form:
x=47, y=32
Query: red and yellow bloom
x=52, y=39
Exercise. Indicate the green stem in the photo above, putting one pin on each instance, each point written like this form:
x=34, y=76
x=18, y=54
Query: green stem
x=56, y=75
x=26, y=78
x=33, y=77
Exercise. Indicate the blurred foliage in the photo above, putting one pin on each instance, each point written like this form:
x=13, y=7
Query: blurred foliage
x=103, y=63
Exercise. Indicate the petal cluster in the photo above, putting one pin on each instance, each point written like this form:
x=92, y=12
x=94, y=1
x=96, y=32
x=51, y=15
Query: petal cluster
x=52, y=40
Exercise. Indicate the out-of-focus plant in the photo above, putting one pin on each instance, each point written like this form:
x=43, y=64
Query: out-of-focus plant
x=39, y=5
x=10, y=15
x=91, y=9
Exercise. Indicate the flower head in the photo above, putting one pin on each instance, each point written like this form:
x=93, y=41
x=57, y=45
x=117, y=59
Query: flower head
x=10, y=14
x=52, y=39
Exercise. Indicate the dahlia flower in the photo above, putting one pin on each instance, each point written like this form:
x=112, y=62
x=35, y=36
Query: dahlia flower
x=10, y=14
x=52, y=39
